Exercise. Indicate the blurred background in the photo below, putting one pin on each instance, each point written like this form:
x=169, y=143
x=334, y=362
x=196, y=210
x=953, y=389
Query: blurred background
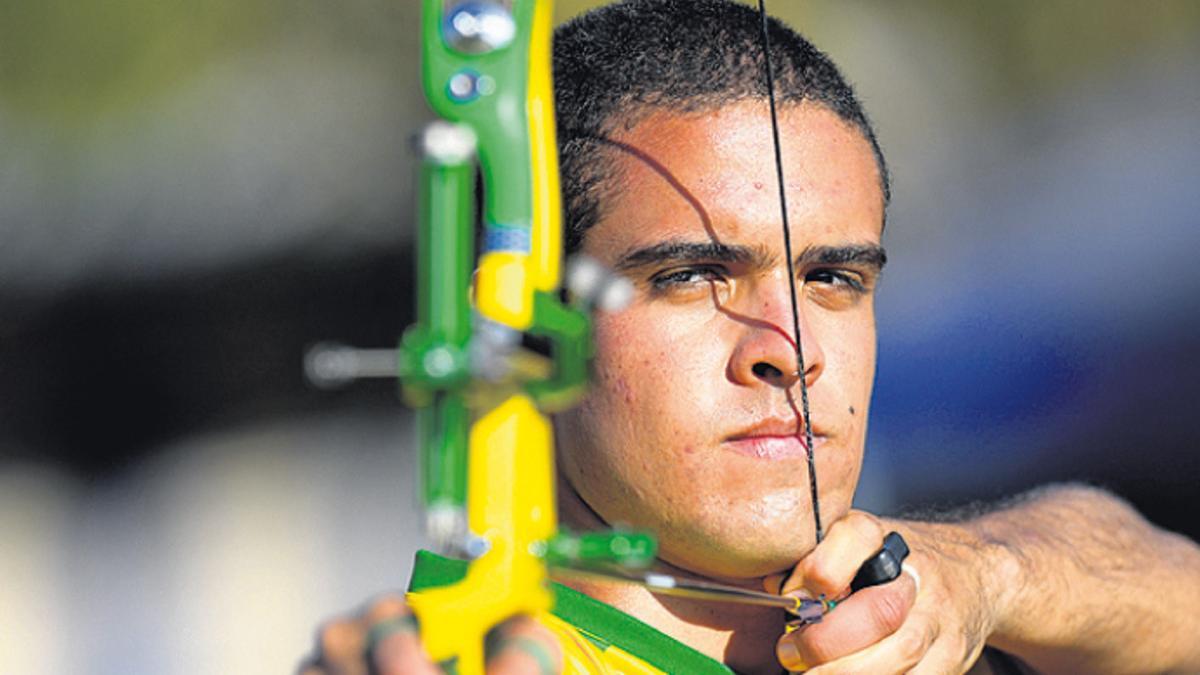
x=190, y=194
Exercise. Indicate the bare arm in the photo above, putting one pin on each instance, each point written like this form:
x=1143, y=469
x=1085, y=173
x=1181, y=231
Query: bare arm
x=1085, y=584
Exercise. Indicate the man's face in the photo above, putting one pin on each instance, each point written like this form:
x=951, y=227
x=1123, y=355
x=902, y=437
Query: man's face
x=692, y=429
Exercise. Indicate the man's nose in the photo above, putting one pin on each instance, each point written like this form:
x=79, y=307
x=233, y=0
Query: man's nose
x=766, y=350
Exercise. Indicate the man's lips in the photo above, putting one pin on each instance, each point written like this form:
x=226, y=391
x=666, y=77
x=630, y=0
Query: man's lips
x=773, y=440
x=770, y=447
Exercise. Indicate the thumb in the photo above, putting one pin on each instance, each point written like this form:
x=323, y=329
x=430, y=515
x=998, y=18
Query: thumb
x=522, y=646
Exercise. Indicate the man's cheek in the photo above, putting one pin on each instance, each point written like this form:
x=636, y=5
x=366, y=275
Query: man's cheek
x=623, y=390
x=610, y=331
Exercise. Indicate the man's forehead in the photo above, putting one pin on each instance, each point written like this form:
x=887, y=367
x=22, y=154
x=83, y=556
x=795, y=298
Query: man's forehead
x=738, y=137
x=712, y=174
x=736, y=124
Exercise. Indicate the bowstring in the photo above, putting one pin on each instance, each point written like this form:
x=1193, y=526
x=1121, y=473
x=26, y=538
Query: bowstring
x=787, y=247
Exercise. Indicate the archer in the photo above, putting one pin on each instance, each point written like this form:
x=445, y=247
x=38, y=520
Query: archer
x=693, y=428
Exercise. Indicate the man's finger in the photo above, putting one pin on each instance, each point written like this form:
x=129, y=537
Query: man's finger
x=393, y=643
x=521, y=646
x=829, y=569
x=908, y=650
x=773, y=583
x=865, y=618
x=340, y=647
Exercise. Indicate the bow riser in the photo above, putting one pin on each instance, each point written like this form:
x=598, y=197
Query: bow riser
x=497, y=469
x=482, y=399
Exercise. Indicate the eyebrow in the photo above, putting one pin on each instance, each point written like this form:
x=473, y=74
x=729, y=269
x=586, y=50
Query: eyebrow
x=870, y=255
x=674, y=251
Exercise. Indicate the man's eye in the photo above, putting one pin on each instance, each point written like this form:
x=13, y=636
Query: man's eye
x=686, y=276
x=843, y=280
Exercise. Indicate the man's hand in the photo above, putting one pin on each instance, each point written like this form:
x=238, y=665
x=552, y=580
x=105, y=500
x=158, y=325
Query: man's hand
x=934, y=618
x=383, y=640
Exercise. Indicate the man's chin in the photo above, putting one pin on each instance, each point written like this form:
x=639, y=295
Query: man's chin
x=735, y=564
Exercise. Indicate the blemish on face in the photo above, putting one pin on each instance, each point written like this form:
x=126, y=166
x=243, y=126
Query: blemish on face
x=626, y=391
x=758, y=185
x=852, y=411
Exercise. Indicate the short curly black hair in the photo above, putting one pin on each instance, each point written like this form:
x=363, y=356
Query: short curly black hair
x=615, y=64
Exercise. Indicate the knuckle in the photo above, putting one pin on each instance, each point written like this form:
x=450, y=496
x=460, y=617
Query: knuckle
x=386, y=607
x=813, y=649
x=823, y=578
x=773, y=583
x=329, y=634
x=922, y=559
x=889, y=611
x=814, y=575
x=530, y=628
x=910, y=646
x=522, y=645
x=914, y=645
x=339, y=637
x=865, y=523
x=965, y=648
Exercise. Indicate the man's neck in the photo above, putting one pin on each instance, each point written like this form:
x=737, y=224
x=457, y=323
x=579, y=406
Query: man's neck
x=740, y=636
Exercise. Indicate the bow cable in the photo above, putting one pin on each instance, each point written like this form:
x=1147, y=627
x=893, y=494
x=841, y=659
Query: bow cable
x=787, y=247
